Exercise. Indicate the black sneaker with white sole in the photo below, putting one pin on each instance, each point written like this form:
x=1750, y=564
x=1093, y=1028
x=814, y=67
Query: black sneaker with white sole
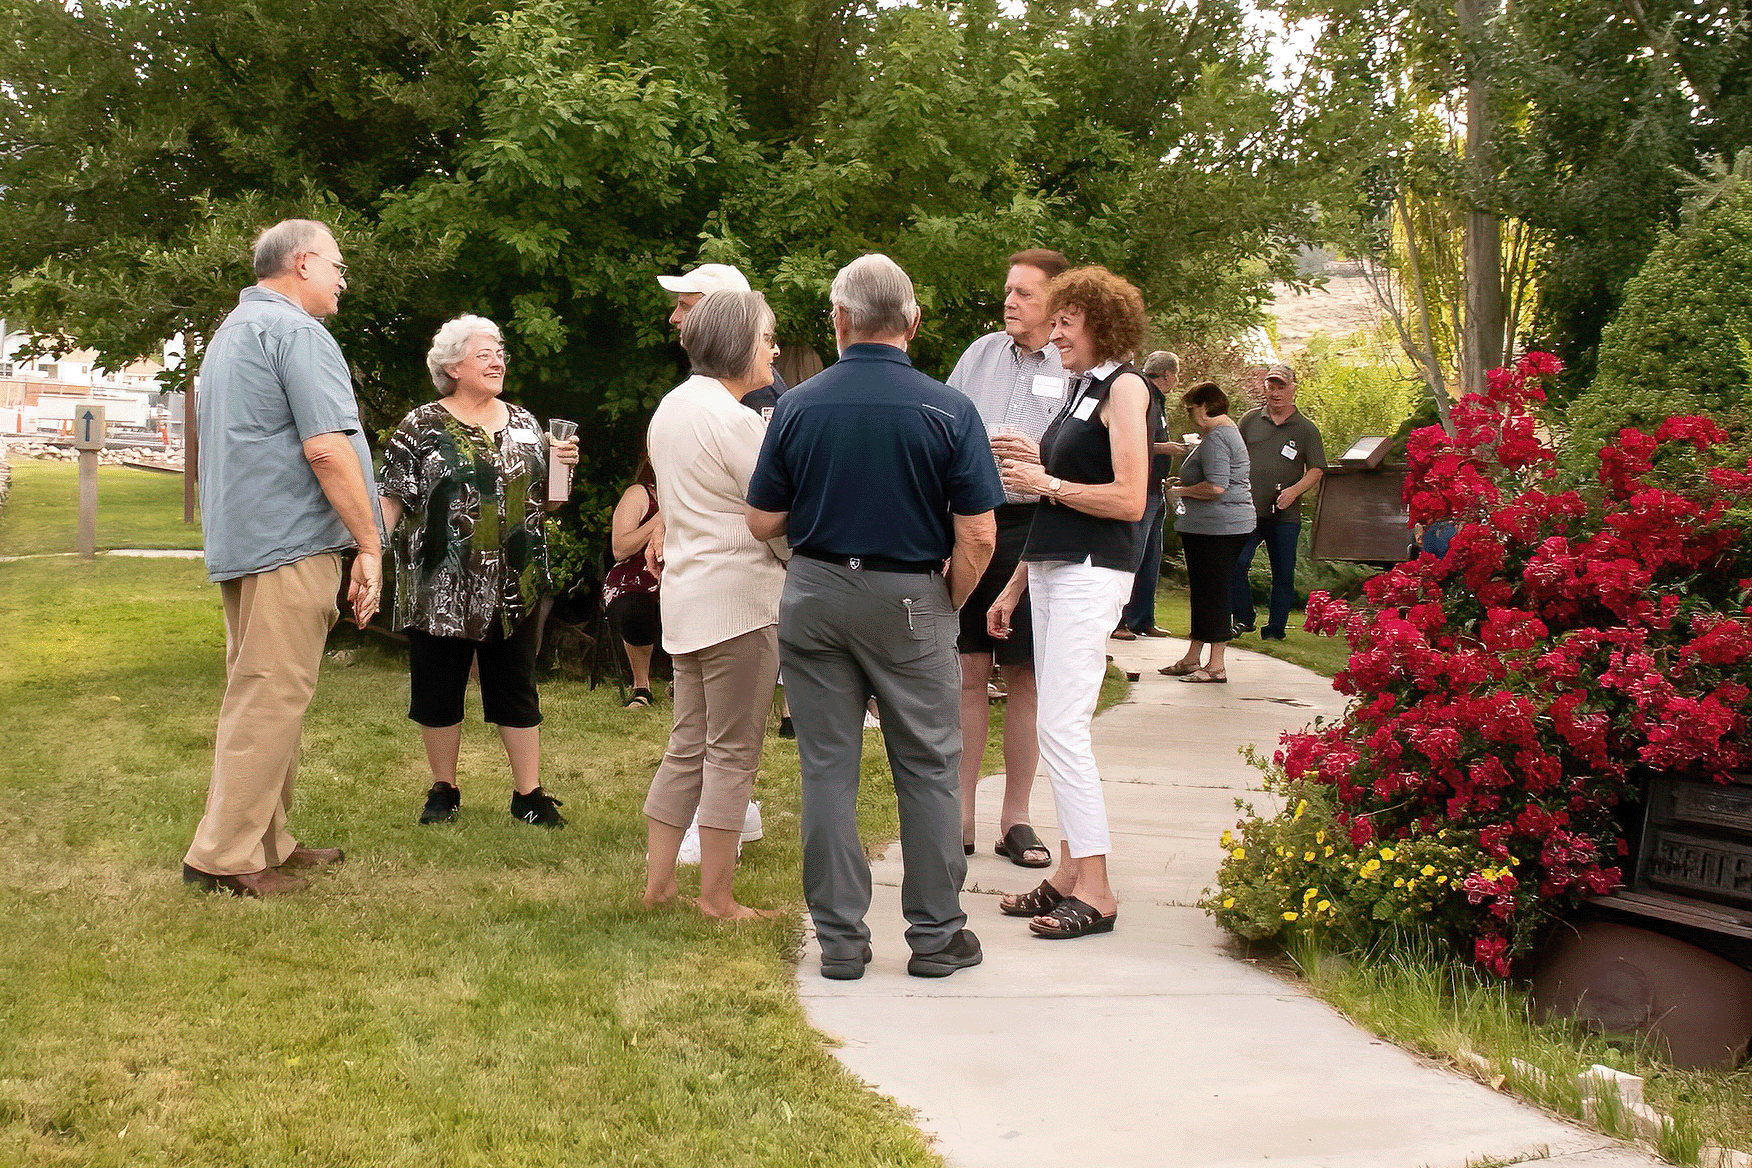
x=537, y=807
x=441, y=804
x=961, y=952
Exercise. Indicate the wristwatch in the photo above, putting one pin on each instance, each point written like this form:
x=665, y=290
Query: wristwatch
x=1052, y=489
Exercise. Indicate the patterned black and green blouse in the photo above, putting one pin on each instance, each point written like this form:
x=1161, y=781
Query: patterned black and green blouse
x=470, y=549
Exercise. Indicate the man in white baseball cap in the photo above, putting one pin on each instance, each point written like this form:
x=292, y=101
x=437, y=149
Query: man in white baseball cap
x=687, y=289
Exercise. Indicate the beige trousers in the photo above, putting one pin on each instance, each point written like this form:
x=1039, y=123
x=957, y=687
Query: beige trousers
x=275, y=626
x=723, y=694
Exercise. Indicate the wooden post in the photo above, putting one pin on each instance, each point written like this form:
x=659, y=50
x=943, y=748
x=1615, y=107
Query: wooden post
x=191, y=452
x=89, y=432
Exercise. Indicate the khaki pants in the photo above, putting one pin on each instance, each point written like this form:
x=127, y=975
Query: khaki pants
x=723, y=694
x=275, y=626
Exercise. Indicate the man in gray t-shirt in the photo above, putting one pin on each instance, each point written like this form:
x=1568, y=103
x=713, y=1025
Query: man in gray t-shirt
x=1288, y=460
x=286, y=488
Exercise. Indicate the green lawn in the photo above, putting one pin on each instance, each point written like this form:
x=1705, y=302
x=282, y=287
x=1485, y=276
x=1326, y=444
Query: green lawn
x=135, y=509
x=1324, y=655
x=478, y=993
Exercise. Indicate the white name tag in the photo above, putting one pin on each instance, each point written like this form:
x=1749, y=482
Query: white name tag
x=1289, y=450
x=1046, y=386
x=518, y=435
x=1085, y=409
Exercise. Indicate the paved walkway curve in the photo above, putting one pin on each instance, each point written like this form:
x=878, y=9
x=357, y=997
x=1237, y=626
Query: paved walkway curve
x=1152, y=1045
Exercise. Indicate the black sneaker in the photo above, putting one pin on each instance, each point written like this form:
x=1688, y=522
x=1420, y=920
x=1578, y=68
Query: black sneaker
x=537, y=807
x=962, y=952
x=846, y=968
x=786, y=728
x=441, y=803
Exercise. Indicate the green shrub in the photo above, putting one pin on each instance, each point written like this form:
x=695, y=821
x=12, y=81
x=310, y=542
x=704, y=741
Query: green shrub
x=1682, y=341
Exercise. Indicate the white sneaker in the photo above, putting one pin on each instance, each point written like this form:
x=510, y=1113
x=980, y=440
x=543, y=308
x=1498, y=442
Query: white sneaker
x=751, y=829
x=690, y=845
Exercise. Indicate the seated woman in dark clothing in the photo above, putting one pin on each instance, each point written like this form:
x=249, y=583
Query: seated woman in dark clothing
x=629, y=590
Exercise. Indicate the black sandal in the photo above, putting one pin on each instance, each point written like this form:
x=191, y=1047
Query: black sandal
x=1072, y=918
x=1018, y=842
x=1032, y=904
x=640, y=699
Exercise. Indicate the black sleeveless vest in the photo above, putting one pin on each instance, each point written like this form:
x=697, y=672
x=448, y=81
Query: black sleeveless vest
x=1079, y=450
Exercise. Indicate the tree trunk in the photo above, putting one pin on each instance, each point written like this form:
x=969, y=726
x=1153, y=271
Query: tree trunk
x=1481, y=346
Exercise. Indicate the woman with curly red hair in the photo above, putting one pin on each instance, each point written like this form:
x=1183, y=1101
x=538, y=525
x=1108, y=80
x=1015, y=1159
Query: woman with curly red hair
x=1090, y=471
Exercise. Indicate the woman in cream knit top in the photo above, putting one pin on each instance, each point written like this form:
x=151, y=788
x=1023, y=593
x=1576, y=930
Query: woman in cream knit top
x=720, y=594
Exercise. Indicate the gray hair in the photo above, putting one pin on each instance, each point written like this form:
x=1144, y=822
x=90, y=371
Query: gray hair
x=876, y=296
x=1161, y=361
x=721, y=331
x=276, y=247
x=449, y=345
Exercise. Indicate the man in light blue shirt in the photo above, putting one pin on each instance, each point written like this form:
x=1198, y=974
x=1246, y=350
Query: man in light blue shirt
x=286, y=488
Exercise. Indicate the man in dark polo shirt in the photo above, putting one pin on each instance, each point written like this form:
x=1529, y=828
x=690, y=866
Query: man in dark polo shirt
x=1288, y=459
x=878, y=475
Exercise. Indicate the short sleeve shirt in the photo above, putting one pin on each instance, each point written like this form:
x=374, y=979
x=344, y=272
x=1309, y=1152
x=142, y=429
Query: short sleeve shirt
x=1220, y=459
x=1281, y=454
x=870, y=458
x=471, y=548
x=272, y=378
x=1012, y=386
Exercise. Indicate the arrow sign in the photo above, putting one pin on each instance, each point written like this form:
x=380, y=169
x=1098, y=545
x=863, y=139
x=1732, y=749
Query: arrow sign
x=88, y=426
x=88, y=418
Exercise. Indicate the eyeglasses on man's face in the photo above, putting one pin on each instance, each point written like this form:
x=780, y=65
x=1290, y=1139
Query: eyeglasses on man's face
x=339, y=267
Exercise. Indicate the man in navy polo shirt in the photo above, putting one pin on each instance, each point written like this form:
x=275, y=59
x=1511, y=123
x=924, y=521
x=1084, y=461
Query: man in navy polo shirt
x=878, y=475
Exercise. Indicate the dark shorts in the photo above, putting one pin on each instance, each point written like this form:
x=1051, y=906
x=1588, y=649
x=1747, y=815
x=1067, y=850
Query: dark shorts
x=1018, y=648
x=635, y=618
x=438, y=668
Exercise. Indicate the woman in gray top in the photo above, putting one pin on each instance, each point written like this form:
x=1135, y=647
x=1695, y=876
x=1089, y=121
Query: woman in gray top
x=1213, y=512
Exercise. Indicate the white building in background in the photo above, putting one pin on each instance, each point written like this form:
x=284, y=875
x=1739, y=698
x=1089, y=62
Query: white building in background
x=37, y=393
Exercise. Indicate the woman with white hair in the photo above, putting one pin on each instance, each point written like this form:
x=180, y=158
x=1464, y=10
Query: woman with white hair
x=464, y=488
x=720, y=599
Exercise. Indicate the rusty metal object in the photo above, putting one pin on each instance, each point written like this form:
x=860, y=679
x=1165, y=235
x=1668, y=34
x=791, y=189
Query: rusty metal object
x=1624, y=980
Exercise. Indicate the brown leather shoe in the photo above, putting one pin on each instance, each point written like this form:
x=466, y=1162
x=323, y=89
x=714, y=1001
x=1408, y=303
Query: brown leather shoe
x=303, y=857
x=267, y=882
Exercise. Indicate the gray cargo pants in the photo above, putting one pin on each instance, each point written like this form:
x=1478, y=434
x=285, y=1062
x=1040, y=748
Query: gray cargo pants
x=845, y=636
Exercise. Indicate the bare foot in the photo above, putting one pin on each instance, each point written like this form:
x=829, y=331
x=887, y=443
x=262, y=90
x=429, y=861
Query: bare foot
x=737, y=913
x=656, y=899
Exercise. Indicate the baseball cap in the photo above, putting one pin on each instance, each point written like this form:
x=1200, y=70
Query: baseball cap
x=1281, y=373
x=706, y=278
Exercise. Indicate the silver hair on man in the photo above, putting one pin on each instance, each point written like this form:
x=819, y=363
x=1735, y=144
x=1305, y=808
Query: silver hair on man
x=450, y=346
x=276, y=247
x=876, y=297
x=1161, y=361
x=722, y=330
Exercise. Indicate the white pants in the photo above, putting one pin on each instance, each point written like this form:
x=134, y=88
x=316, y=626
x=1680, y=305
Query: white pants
x=1075, y=607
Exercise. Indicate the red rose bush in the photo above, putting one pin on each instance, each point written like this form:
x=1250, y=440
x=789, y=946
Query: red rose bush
x=1509, y=696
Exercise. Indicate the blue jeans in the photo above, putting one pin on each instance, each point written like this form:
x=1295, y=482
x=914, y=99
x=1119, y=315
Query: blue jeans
x=1140, y=612
x=1279, y=537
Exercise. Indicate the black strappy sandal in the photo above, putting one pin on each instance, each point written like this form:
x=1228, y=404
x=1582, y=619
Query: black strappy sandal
x=640, y=699
x=1032, y=904
x=1072, y=918
x=1018, y=842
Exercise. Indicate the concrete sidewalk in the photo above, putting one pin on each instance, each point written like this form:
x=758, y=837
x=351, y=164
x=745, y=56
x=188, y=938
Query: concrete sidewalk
x=1153, y=1045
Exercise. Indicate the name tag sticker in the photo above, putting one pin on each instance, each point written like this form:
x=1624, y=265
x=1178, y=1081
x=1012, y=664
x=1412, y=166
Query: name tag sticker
x=1085, y=409
x=1289, y=450
x=518, y=435
x=1045, y=386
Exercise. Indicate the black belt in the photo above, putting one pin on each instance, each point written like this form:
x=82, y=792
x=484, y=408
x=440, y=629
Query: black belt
x=871, y=563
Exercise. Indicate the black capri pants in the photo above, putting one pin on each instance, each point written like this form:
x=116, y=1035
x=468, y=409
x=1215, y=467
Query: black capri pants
x=635, y=618
x=1210, y=569
x=438, y=669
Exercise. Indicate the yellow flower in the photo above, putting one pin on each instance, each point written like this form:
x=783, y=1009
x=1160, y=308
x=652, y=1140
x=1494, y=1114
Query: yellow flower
x=1328, y=851
x=1311, y=894
x=1307, y=855
x=1399, y=882
x=1290, y=916
x=1228, y=902
x=1428, y=870
x=1442, y=879
x=1387, y=854
x=1301, y=809
x=1228, y=840
x=1371, y=867
x=1320, y=837
x=1323, y=905
x=1239, y=853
